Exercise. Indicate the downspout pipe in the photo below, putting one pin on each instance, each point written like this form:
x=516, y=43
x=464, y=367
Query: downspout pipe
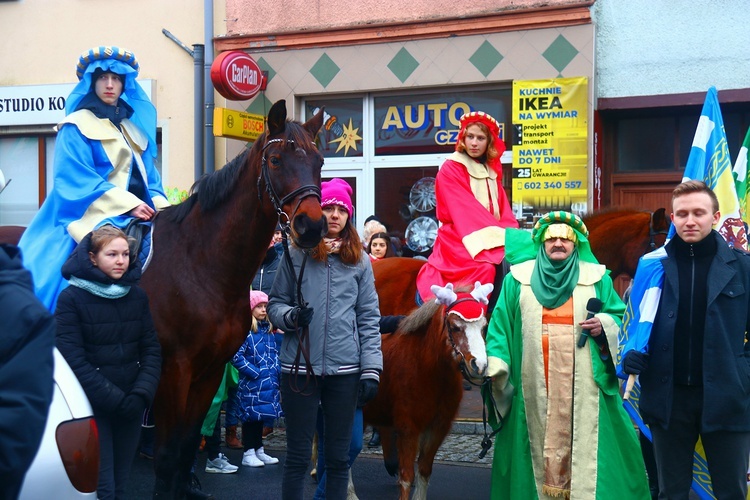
x=208, y=32
x=198, y=56
x=198, y=77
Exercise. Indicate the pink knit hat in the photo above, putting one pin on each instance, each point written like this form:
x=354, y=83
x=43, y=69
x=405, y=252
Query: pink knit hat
x=336, y=192
x=257, y=297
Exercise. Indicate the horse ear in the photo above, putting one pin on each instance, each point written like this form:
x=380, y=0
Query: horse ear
x=314, y=124
x=277, y=118
x=660, y=219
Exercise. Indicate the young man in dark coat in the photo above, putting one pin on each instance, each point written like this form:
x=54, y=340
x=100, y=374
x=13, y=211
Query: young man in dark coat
x=695, y=379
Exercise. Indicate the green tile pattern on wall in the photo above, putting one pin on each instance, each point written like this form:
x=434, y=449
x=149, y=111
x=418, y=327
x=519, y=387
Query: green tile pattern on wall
x=324, y=70
x=264, y=66
x=260, y=105
x=455, y=61
x=403, y=64
x=560, y=53
x=486, y=58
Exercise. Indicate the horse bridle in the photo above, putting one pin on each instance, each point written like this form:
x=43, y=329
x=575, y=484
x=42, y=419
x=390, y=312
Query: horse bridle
x=284, y=220
x=303, y=192
x=457, y=353
x=652, y=232
x=486, y=383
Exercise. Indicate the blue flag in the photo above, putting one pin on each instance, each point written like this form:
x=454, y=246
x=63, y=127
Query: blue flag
x=641, y=308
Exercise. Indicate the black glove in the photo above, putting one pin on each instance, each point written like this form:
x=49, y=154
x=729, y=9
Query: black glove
x=389, y=324
x=635, y=362
x=368, y=389
x=132, y=406
x=301, y=316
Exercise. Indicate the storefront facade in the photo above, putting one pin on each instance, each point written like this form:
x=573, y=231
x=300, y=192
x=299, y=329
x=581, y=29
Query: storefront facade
x=393, y=102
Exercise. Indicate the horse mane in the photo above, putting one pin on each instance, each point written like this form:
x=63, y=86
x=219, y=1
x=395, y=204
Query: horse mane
x=419, y=320
x=212, y=189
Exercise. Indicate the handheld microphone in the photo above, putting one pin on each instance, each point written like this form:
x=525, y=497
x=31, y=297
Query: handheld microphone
x=593, y=306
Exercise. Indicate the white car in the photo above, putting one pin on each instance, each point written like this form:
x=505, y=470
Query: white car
x=66, y=465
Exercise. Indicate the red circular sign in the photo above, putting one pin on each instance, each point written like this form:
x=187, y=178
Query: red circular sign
x=236, y=75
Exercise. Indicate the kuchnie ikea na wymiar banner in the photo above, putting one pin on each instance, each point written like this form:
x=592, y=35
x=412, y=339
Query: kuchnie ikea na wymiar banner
x=550, y=150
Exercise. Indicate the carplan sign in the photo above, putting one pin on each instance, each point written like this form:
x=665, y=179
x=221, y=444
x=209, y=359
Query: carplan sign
x=236, y=75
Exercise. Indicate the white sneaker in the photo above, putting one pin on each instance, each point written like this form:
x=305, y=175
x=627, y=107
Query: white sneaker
x=220, y=465
x=266, y=459
x=249, y=459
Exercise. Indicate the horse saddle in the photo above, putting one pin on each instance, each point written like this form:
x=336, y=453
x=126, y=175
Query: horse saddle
x=139, y=237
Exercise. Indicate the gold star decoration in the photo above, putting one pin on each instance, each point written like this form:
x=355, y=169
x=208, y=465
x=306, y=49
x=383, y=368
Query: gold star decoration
x=348, y=139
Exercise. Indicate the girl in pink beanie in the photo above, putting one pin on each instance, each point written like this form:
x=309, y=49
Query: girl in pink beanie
x=257, y=362
x=331, y=355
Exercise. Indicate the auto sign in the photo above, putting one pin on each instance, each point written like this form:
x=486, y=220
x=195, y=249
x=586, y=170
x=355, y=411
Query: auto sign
x=236, y=75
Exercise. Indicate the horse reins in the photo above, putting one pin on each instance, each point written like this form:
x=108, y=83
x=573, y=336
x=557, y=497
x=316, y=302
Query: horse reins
x=486, y=385
x=284, y=220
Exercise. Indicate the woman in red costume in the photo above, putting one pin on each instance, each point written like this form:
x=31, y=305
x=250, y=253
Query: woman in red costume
x=472, y=209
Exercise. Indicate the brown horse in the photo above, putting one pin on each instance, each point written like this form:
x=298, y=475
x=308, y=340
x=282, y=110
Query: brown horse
x=619, y=237
x=421, y=387
x=206, y=252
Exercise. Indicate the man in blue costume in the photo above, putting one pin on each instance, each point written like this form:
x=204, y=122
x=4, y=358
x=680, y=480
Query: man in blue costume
x=104, y=169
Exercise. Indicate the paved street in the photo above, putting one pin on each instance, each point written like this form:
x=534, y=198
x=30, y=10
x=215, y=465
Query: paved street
x=458, y=472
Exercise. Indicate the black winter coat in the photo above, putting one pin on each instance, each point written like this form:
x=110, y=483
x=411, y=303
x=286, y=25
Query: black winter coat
x=27, y=339
x=726, y=354
x=110, y=344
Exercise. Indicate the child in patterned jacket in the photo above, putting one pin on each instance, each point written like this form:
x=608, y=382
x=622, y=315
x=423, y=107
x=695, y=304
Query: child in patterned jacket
x=258, y=390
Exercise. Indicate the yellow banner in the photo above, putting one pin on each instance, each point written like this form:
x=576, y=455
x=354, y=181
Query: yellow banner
x=550, y=148
x=237, y=125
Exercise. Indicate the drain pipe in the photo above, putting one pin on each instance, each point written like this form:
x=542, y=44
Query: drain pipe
x=208, y=33
x=197, y=55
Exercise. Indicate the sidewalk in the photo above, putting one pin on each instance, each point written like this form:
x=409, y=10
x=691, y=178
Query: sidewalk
x=462, y=445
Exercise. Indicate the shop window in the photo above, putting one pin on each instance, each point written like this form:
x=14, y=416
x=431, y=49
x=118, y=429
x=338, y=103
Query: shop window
x=660, y=140
x=646, y=144
x=19, y=161
x=429, y=123
x=28, y=161
x=402, y=197
x=341, y=135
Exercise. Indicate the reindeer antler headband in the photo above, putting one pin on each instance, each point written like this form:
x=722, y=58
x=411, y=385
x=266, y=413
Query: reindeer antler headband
x=469, y=306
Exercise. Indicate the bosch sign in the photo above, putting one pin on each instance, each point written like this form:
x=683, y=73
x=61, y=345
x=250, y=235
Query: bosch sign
x=236, y=76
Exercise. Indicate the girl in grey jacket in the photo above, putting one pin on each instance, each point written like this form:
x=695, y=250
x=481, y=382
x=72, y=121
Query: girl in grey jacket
x=330, y=355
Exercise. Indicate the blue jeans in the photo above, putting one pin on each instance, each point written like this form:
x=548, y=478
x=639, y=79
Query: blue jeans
x=354, y=448
x=337, y=397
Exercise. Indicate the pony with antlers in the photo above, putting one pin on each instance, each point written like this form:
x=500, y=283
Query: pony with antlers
x=424, y=362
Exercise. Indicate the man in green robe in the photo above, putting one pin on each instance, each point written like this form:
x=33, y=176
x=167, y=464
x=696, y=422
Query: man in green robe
x=564, y=431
